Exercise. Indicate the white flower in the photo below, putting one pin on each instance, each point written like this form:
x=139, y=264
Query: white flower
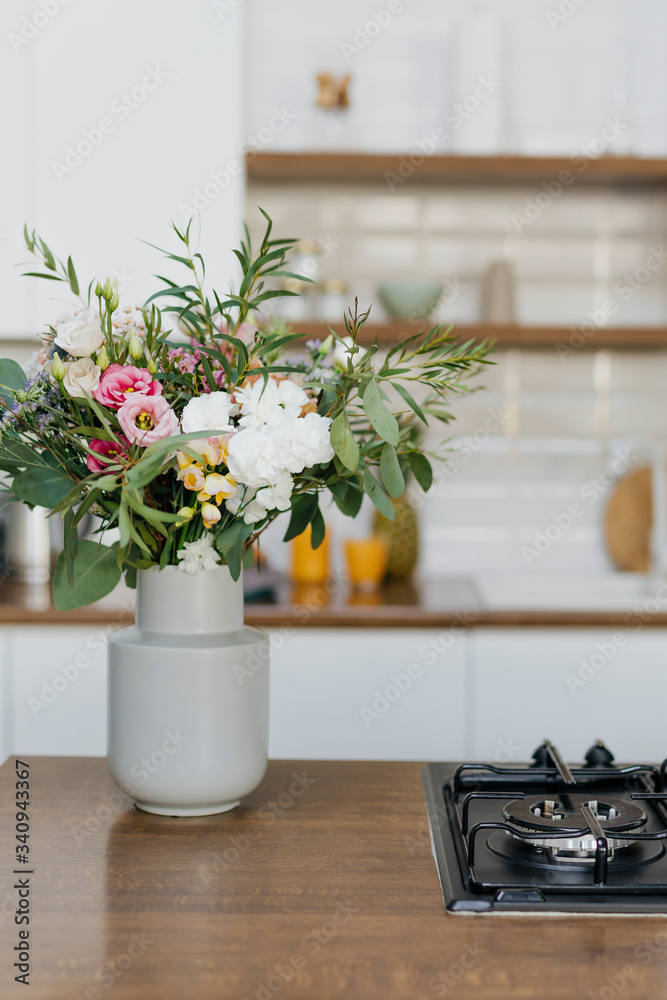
x=81, y=377
x=211, y=412
x=254, y=457
x=306, y=442
x=80, y=335
x=252, y=512
x=340, y=354
x=199, y=555
x=278, y=496
x=270, y=403
x=128, y=318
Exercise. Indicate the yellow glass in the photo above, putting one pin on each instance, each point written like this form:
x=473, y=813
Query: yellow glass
x=309, y=565
x=366, y=561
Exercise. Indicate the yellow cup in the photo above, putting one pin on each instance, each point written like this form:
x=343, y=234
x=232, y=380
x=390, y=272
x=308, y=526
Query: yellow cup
x=366, y=562
x=309, y=565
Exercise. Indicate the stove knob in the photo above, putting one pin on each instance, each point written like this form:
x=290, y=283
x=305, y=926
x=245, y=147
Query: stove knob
x=599, y=756
x=542, y=757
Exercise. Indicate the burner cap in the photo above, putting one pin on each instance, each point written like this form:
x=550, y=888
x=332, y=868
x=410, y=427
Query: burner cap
x=563, y=814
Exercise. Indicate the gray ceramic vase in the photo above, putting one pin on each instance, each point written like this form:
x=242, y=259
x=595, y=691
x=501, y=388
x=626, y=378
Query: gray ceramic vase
x=188, y=695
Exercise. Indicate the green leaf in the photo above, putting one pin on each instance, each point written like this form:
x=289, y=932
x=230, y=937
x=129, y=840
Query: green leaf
x=71, y=274
x=96, y=573
x=390, y=470
x=318, y=529
x=12, y=377
x=378, y=495
x=344, y=443
x=421, y=469
x=70, y=545
x=347, y=497
x=304, y=506
x=44, y=485
x=412, y=403
x=382, y=420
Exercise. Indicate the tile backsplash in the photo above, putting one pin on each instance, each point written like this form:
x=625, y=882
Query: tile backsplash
x=594, y=255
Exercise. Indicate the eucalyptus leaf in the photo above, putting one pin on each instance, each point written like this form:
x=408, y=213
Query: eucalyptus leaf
x=390, y=470
x=12, y=377
x=44, y=485
x=344, y=443
x=95, y=574
x=421, y=469
x=382, y=420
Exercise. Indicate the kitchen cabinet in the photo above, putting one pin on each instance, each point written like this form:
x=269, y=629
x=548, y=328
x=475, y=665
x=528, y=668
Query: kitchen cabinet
x=380, y=693
x=571, y=685
x=362, y=693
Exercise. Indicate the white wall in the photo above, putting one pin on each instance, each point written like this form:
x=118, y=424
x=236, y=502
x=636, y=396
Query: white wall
x=412, y=60
x=165, y=76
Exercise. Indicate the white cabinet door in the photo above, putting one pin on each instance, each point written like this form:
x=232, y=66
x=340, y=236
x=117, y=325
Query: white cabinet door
x=368, y=694
x=57, y=690
x=573, y=686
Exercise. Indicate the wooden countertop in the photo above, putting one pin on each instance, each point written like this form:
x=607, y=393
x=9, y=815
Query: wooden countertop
x=426, y=604
x=323, y=878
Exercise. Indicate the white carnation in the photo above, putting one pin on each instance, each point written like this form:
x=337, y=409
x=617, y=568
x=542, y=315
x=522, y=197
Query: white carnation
x=212, y=412
x=79, y=334
x=252, y=512
x=271, y=403
x=306, y=442
x=278, y=496
x=199, y=555
x=254, y=457
x=81, y=377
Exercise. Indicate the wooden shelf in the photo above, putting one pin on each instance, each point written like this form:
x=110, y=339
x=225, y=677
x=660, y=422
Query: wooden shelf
x=324, y=166
x=506, y=336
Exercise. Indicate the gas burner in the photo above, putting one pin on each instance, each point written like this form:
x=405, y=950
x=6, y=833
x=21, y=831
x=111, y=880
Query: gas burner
x=550, y=836
x=566, y=814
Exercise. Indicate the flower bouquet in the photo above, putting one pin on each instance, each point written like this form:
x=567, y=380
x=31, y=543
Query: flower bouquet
x=191, y=426
x=186, y=428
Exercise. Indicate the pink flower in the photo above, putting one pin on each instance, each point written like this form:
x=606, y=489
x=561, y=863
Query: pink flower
x=120, y=381
x=146, y=419
x=113, y=451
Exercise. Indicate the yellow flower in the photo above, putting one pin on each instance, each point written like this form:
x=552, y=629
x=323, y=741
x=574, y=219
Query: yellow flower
x=215, y=450
x=184, y=460
x=220, y=487
x=210, y=514
x=192, y=477
x=185, y=514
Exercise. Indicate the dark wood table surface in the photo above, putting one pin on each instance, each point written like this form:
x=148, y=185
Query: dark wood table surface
x=321, y=885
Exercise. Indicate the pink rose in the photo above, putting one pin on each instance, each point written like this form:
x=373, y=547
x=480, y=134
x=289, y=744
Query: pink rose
x=120, y=381
x=113, y=451
x=146, y=419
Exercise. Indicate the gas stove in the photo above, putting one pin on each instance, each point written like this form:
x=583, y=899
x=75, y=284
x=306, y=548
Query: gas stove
x=548, y=836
